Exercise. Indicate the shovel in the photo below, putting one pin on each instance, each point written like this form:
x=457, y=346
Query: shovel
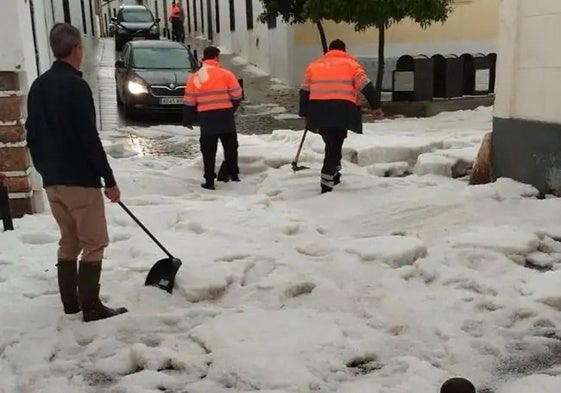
x=162, y=274
x=295, y=166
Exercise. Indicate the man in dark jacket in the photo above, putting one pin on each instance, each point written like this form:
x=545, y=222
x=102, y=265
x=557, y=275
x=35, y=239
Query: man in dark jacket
x=68, y=154
x=212, y=95
x=329, y=102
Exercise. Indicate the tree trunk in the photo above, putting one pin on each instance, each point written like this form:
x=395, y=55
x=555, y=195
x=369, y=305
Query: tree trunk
x=381, y=47
x=322, y=36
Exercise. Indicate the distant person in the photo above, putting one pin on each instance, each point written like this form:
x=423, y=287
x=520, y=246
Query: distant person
x=329, y=103
x=457, y=385
x=67, y=152
x=177, y=18
x=212, y=95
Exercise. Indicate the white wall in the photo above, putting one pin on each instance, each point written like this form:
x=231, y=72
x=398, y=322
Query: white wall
x=76, y=14
x=529, y=61
x=59, y=11
x=43, y=24
x=18, y=54
x=269, y=49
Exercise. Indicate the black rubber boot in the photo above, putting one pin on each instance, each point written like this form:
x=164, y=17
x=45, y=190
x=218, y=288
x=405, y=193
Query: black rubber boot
x=209, y=185
x=88, y=284
x=67, y=273
x=325, y=189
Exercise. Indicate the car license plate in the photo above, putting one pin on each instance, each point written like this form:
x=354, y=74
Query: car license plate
x=171, y=101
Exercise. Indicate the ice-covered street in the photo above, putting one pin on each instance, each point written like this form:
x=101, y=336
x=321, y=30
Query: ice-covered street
x=402, y=277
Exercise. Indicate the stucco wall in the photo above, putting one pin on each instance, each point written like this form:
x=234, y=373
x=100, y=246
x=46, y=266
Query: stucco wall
x=18, y=53
x=269, y=49
x=529, y=66
x=470, y=21
x=472, y=28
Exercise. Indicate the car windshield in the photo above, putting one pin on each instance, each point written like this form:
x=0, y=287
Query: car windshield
x=137, y=16
x=161, y=58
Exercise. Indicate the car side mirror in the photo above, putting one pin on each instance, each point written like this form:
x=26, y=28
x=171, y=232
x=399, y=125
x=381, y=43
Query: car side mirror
x=113, y=19
x=157, y=20
x=120, y=64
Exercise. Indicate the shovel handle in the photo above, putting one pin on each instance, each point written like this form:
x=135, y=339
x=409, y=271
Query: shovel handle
x=301, y=145
x=145, y=230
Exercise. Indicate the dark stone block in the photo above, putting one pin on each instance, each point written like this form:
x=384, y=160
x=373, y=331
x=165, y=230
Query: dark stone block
x=528, y=152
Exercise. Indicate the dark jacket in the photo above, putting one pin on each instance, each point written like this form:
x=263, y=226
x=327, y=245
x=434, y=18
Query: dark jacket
x=61, y=130
x=335, y=113
x=220, y=121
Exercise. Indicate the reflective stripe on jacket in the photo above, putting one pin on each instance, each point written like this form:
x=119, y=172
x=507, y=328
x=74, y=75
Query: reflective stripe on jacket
x=335, y=76
x=212, y=87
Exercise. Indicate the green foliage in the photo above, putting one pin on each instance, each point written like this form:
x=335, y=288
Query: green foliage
x=291, y=11
x=379, y=13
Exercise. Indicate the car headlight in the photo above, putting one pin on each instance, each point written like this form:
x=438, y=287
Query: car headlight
x=137, y=87
x=121, y=29
x=154, y=29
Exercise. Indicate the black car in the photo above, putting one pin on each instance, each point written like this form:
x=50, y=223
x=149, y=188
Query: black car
x=151, y=75
x=135, y=22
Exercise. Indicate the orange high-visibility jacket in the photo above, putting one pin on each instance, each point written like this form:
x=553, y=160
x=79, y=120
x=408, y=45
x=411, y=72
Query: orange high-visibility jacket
x=175, y=12
x=212, y=88
x=335, y=76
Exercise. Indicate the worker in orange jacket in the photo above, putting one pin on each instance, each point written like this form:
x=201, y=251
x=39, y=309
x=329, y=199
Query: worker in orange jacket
x=212, y=95
x=176, y=17
x=329, y=102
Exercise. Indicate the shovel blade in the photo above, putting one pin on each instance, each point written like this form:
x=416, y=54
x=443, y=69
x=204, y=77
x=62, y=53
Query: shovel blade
x=296, y=167
x=162, y=274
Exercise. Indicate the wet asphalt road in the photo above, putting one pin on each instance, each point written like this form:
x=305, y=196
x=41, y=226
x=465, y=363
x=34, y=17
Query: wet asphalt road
x=258, y=114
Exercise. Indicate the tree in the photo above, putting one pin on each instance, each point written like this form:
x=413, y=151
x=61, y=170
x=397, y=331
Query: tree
x=381, y=14
x=294, y=11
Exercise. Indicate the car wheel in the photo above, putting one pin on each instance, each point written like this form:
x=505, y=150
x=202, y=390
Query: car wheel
x=119, y=101
x=119, y=44
x=130, y=112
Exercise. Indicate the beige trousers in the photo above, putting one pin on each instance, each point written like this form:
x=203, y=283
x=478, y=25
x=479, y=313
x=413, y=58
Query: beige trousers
x=80, y=214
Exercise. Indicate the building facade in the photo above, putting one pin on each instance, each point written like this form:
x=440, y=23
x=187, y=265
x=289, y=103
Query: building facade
x=25, y=25
x=527, y=123
x=285, y=50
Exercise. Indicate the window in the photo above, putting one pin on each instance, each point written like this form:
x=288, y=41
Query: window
x=202, y=17
x=161, y=58
x=272, y=22
x=83, y=9
x=195, y=15
x=136, y=16
x=249, y=13
x=210, y=33
x=188, y=17
x=92, y=18
x=66, y=11
x=232, y=16
x=217, y=15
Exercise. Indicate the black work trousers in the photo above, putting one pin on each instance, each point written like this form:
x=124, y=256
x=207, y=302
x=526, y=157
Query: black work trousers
x=209, y=145
x=333, y=138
